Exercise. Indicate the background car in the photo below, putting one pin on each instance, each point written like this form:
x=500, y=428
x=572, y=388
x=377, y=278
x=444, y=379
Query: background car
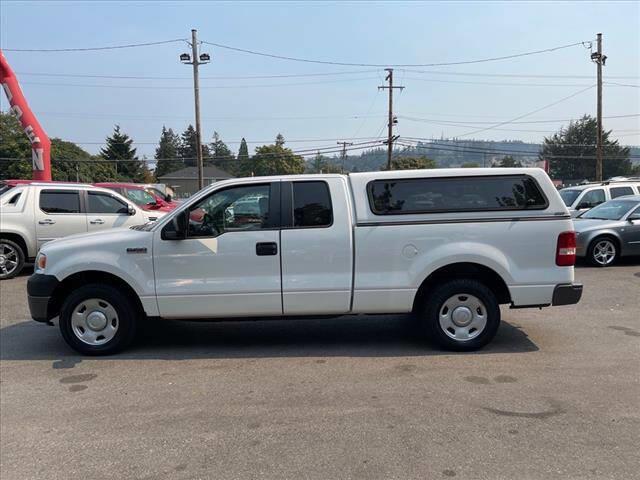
x=584, y=197
x=609, y=231
x=148, y=198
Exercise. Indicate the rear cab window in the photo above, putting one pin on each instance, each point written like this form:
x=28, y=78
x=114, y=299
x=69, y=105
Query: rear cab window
x=455, y=194
x=311, y=205
x=60, y=201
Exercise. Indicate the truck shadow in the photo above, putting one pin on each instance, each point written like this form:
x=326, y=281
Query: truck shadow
x=352, y=336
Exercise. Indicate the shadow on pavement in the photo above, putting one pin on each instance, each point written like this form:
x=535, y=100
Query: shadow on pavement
x=352, y=336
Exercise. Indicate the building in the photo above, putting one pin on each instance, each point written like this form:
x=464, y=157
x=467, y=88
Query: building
x=185, y=181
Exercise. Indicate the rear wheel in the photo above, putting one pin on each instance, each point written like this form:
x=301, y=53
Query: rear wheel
x=461, y=315
x=603, y=251
x=11, y=259
x=98, y=320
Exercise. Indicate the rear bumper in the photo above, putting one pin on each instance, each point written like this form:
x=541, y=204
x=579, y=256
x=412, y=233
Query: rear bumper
x=39, y=291
x=567, y=294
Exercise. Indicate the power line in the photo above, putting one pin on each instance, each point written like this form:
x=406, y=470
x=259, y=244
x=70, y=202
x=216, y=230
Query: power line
x=429, y=120
x=622, y=84
x=216, y=77
x=91, y=49
x=528, y=113
x=349, y=64
x=171, y=87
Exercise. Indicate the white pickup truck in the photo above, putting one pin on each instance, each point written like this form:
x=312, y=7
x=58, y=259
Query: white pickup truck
x=449, y=245
x=35, y=213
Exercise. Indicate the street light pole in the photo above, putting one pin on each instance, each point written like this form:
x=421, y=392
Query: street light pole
x=196, y=60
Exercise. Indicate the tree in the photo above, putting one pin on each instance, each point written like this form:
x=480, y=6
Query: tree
x=276, y=160
x=167, y=153
x=571, y=152
x=279, y=140
x=221, y=155
x=508, y=162
x=412, y=163
x=15, y=152
x=470, y=165
x=322, y=164
x=119, y=148
x=188, y=147
x=243, y=164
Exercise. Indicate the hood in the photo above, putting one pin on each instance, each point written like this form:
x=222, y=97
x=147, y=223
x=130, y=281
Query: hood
x=586, y=224
x=101, y=238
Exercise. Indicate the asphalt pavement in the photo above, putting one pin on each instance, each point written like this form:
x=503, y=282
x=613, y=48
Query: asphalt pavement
x=556, y=395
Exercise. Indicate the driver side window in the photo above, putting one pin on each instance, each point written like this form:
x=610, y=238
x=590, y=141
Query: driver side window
x=233, y=209
x=593, y=198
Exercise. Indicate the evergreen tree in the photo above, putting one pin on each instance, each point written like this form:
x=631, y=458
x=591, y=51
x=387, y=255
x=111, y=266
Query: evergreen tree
x=244, y=162
x=188, y=147
x=322, y=164
x=220, y=154
x=167, y=153
x=279, y=140
x=119, y=148
x=572, y=152
x=509, y=162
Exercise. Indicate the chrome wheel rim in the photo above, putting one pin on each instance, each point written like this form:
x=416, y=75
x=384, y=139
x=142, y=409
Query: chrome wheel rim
x=8, y=259
x=94, y=321
x=604, y=252
x=463, y=317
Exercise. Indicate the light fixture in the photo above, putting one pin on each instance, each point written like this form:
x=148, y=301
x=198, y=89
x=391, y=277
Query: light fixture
x=185, y=57
x=204, y=57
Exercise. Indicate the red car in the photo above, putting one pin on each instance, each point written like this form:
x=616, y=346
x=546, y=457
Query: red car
x=147, y=198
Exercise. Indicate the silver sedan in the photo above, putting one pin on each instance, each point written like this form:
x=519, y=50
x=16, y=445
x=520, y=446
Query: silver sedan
x=609, y=231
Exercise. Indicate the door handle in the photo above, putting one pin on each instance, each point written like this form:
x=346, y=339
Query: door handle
x=266, y=248
x=97, y=221
x=46, y=221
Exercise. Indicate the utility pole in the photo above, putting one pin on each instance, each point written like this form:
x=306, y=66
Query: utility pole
x=392, y=119
x=196, y=60
x=344, y=153
x=599, y=59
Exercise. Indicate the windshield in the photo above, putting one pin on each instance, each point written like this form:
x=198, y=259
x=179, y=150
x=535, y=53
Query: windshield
x=5, y=187
x=139, y=196
x=156, y=192
x=569, y=196
x=611, y=210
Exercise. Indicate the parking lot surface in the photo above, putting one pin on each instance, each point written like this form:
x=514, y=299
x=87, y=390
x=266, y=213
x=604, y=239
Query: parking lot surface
x=556, y=395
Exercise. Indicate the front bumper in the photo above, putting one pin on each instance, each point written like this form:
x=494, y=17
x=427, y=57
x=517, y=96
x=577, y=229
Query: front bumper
x=567, y=294
x=39, y=291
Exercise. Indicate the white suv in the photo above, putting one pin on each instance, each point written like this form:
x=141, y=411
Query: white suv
x=583, y=197
x=33, y=214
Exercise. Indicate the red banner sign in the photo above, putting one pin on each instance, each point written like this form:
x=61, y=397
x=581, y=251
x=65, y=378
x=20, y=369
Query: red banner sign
x=40, y=144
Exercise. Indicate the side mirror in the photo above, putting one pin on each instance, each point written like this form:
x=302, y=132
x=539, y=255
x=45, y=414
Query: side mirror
x=131, y=210
x=582, y=206
x=167, y=198
x=176, y=229
x=633, y=217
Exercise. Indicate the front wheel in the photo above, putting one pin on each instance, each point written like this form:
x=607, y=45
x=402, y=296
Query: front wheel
x=98, y=320
x=461, y=315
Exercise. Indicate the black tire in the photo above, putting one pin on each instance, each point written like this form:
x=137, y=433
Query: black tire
x=19, y=253
x=435, y=303
x=127, y=313
x=592, y=247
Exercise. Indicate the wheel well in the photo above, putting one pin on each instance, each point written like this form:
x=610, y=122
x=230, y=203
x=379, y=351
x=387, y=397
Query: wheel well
x=610, y=237
x=474, y=271
x=16, y=238
x=84, y=278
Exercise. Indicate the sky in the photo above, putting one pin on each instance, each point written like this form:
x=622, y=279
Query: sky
x=319, y=110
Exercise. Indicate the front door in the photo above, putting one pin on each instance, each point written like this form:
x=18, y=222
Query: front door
x=229, y=263
x=106, y=211
x=631, y=235
x=58, y=214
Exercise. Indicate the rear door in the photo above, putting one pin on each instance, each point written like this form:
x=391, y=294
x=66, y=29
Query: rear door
x=621, y=191
x=58, y=214
x=317, y=248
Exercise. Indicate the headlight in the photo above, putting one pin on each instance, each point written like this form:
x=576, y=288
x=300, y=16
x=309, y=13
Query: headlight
x=41, y=261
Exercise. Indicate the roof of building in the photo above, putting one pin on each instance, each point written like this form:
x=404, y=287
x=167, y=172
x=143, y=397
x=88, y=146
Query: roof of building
x=191, y=173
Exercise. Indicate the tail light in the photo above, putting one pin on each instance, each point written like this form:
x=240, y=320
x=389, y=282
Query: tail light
x=566, y=250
